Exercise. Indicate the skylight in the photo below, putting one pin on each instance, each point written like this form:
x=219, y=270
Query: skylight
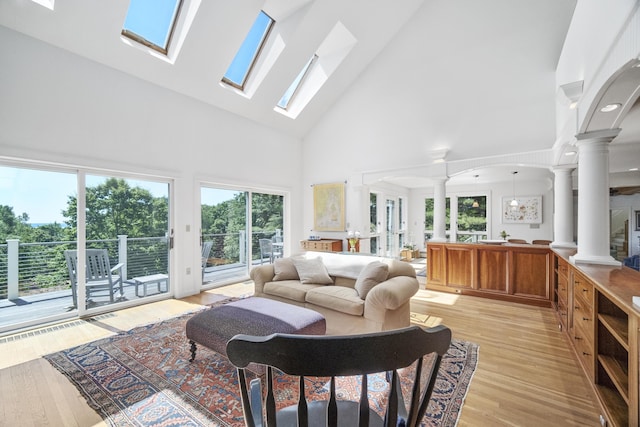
x=245, y=58
x=293, y=89
x=151, y=22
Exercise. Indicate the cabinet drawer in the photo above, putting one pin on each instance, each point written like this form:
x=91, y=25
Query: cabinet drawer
x=583, y=324
x=583, y=292
x=584, y=350
x=563, y=268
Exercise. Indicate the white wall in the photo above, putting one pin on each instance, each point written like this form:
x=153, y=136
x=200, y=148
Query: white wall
x=495, y=192
x=60, y=108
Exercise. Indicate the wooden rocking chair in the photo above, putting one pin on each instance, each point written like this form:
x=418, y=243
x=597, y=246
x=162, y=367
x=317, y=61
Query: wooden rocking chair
x=331, y=356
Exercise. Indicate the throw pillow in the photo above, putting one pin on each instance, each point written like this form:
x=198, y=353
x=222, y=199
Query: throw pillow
x=372, y=274
x=312, y=271
x=285, y=269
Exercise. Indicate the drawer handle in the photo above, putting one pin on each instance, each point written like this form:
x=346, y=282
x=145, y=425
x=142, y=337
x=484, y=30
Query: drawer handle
x=577, y=338
x=585, y=290
x=586, y=354
x=577, y=307
x=585, y=318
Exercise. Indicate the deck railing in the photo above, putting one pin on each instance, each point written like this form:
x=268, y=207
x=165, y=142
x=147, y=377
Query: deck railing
x=29, y=268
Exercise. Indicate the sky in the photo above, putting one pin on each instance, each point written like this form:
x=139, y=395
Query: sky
x=151, y=19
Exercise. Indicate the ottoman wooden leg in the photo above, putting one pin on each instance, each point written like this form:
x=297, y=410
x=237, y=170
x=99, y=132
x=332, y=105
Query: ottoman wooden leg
x=193, y=350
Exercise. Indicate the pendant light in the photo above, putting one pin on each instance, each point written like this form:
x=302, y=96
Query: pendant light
x=475, y=201
x=514, y=201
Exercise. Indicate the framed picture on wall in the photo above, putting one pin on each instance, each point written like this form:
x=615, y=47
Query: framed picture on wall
x=528, y=210
x=637, y=220
x=328, y=207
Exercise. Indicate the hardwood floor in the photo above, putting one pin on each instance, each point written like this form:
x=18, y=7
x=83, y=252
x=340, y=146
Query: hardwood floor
x=526, y=375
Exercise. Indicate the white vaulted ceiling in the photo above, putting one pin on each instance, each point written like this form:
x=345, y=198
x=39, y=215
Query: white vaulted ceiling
x=466, y=71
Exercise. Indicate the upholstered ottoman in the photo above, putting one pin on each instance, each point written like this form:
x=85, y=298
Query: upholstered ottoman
x=214, y=327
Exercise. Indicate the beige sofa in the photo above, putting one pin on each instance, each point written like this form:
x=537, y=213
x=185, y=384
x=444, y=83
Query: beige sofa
x=361, y=294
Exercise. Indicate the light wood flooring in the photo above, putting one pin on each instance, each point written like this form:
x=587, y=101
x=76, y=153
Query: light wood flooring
x=526, y=375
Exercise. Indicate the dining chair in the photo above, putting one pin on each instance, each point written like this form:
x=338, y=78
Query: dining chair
x=541, y=242
x=334, y=356
x=517, y=241
x=100, y=279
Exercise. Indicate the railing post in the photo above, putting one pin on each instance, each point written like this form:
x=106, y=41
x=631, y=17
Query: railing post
x=242, y=245
x=122, y=254
x=13, y=248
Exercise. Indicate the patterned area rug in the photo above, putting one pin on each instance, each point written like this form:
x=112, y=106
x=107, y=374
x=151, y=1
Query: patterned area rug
x=143, y=377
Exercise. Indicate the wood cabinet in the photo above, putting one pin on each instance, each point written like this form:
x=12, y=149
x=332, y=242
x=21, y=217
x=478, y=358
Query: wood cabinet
x=602, y=326
x=323, y=245
x=562, y=292
x=521, y=273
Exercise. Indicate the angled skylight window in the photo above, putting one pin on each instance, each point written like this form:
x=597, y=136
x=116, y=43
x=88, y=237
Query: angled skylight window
x=246, y=57
x=151, y=22
x=293, y=89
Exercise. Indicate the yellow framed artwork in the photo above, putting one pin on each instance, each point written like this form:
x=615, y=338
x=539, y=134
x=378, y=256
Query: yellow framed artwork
x=328, y=207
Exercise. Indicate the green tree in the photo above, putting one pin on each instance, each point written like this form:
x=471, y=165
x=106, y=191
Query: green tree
x=114, y=208
x=14, y=226
x=428, y=214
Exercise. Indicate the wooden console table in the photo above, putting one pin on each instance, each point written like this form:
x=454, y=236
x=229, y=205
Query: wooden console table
x=323, y=245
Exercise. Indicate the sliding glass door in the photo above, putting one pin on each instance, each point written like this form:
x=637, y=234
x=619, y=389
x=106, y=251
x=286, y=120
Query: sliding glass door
x=130, y=220
x=233, y=223
x=42, y=212
x=224, y=234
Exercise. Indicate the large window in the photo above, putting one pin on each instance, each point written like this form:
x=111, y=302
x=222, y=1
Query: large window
x=233, y=222
x=295, y=85
x=47, y=215
x=246, y=57
x=428, y=217
x=468, y=222
x=374, y=224
x=472, y=219
x=151, y=22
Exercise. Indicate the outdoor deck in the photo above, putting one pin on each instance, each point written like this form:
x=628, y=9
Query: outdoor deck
x=60, y=303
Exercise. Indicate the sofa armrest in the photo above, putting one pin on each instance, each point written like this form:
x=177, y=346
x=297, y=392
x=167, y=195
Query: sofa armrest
x=389, y=295
x=261, y=275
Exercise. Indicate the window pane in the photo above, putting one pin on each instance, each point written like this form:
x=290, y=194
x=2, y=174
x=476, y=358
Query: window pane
x=472, y=213
x=130, y=219
x=224, y=225
x=428, y=214
x=151, y=21
x=34, y=232
x=288, y=95
x=266, y=215
x=247, y=55
x=373, y=213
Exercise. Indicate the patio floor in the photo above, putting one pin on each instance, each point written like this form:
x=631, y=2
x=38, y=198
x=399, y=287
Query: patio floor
x=59, y=303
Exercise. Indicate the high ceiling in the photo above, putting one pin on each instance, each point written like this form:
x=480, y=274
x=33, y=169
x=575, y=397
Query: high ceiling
x=473, y=67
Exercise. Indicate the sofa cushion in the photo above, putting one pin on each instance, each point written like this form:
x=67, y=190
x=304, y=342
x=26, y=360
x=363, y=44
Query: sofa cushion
x=374, y=273
x=338, y=298
x=312, y=271
x=285, y=269
x=289, y=289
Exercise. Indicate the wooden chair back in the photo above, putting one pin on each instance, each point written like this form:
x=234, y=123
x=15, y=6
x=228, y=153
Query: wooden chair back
x=99, y=277
x=541, y=242
x=517, y=241
x=331, y=356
